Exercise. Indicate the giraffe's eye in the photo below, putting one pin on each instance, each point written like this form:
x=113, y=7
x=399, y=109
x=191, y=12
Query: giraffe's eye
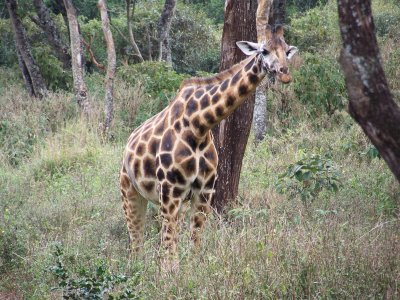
x=265, y=52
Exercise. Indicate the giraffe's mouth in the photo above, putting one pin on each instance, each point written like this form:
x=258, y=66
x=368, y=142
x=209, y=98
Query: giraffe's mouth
x=284, y=78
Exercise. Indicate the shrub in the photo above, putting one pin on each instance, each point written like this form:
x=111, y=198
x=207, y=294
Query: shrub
x=160, y=84
x=88, y=284
x=319, y=84
x=316, y=30
x=386, y=18
x=308, y=177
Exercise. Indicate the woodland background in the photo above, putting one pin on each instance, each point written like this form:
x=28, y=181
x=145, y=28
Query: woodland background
x=329, y=231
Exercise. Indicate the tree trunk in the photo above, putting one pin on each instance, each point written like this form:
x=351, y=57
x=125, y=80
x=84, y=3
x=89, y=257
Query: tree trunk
x=231, y=135
x=25, y=75
x=370, y=101
x=30, y=71
x=77, y=60
x=167, y=54
x=111, y=65
x=260, y=107
x=130, y=31
x=44, y=21
x=164, y=25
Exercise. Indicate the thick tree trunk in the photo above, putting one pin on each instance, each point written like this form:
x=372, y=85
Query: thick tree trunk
x=231, y=135
x=44, y=21
x=164, y=25
x=111, y=65
x=77, y=59
x=32, y=77
x=130, y=30
x=370, y=101
x=260, y=107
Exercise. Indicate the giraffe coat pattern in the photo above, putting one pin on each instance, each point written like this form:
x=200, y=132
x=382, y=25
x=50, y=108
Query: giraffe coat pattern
x=171, y=158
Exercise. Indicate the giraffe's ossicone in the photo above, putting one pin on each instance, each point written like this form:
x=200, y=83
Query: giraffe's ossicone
x=171, y=159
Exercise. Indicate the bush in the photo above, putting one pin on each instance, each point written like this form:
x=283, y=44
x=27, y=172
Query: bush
x=88, y=284
x=316, y=30
x=386, y=18
x=319, y=84
x=24, y=122
x=160, y=84
x=308, y=177
x=195, y=42
x=191, y=31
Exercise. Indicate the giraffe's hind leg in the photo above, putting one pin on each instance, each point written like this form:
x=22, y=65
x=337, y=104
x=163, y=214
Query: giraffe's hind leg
x=200, y=209
x=135, y=207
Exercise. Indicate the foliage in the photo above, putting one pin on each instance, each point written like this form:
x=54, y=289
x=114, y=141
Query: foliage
x=316, y=30
x=308, y=177
x=319, y=84
x=386, y=18
x=295, y=6
x=213, y=8
x=89, y=284
x=8, y=55
x=160, y=82
x=23, y=123
x=190, y=31
x=51, y=69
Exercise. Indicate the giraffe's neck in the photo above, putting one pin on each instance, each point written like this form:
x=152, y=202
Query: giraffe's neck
x=215, y=100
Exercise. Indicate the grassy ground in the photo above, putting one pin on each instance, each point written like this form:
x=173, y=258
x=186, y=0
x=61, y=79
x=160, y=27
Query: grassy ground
x=64, y=192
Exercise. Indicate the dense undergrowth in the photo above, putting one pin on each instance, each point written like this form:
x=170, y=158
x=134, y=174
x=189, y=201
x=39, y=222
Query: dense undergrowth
x=61, y=223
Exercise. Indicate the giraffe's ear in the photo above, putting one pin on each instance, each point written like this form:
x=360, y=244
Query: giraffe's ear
x=291, y=51
x=248, y=48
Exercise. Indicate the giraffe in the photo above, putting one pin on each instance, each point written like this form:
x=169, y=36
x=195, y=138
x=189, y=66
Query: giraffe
x=171, y=159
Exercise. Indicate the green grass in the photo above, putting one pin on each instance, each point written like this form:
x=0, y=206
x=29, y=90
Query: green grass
x=59, y=187
x=343, y=245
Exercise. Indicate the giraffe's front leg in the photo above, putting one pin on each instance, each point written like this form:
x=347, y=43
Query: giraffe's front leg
x=201, y=207
x=170, y=206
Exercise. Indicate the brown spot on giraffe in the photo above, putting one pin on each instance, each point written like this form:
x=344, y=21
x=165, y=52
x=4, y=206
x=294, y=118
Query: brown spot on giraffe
x=171, y=158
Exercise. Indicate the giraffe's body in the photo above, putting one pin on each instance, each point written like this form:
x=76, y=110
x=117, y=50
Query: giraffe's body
x=171, y=158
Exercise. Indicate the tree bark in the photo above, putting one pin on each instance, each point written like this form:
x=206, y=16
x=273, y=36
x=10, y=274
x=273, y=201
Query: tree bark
x=130, y=31
x=164, y=25
x=370, y=101
x=45, y=22
x=111, y=65
x=77, y=60
x=260, y=107
x=231, y=135
x=32, y=77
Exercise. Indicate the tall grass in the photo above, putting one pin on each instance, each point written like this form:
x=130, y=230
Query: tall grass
x=59, y=186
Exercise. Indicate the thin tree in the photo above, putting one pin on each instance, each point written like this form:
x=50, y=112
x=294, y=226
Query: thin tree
x=260, y=107
x=370, y=101
x=111, y=65
x=80, y=88
x=46, y=23
x=130, y=30
x=231, y=135
x=163, y=29
x=33, y=79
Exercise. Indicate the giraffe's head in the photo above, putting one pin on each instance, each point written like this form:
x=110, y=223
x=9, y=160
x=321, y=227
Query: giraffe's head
x=273, y=54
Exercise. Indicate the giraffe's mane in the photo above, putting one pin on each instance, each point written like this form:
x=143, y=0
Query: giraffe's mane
x=218, y=78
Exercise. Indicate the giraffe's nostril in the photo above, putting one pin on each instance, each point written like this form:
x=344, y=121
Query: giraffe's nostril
x=284, y=70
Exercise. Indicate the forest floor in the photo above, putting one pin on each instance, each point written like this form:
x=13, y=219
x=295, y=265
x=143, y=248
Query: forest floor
x=59, y=194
